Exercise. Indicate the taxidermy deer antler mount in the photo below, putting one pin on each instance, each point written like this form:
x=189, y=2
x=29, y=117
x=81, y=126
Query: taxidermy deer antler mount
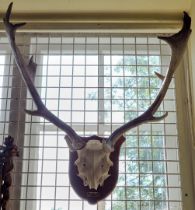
x=93, y=166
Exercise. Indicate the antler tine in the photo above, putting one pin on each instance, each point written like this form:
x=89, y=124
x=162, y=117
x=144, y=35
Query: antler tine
x=178, y=43
x=26, y=71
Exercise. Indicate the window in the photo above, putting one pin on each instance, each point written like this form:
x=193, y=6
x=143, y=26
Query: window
x=5, y=86
x=95, y=83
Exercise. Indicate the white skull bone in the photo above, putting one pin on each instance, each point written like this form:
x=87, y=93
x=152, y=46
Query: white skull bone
x=93, y=163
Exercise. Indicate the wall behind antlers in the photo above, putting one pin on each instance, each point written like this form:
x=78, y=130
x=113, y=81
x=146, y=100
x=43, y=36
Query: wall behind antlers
x=61, y=6
x=128, y=12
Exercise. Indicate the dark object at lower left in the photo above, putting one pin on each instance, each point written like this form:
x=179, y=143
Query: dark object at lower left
x=7, y=151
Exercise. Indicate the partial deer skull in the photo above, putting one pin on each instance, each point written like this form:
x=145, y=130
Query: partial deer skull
x=93, y=168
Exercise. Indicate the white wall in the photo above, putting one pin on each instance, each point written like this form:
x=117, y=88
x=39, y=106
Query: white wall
x=61, y=6
x=192, y=81
x=192, y=47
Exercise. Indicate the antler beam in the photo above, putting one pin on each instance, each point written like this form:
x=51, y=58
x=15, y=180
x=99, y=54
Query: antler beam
x=178, y=43
x=74, y=140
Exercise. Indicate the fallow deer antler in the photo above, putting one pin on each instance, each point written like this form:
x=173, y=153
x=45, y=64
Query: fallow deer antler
x=74, y=140
x=178, y=43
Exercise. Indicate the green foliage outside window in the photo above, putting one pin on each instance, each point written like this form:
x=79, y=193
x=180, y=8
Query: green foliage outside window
x=145, y=186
